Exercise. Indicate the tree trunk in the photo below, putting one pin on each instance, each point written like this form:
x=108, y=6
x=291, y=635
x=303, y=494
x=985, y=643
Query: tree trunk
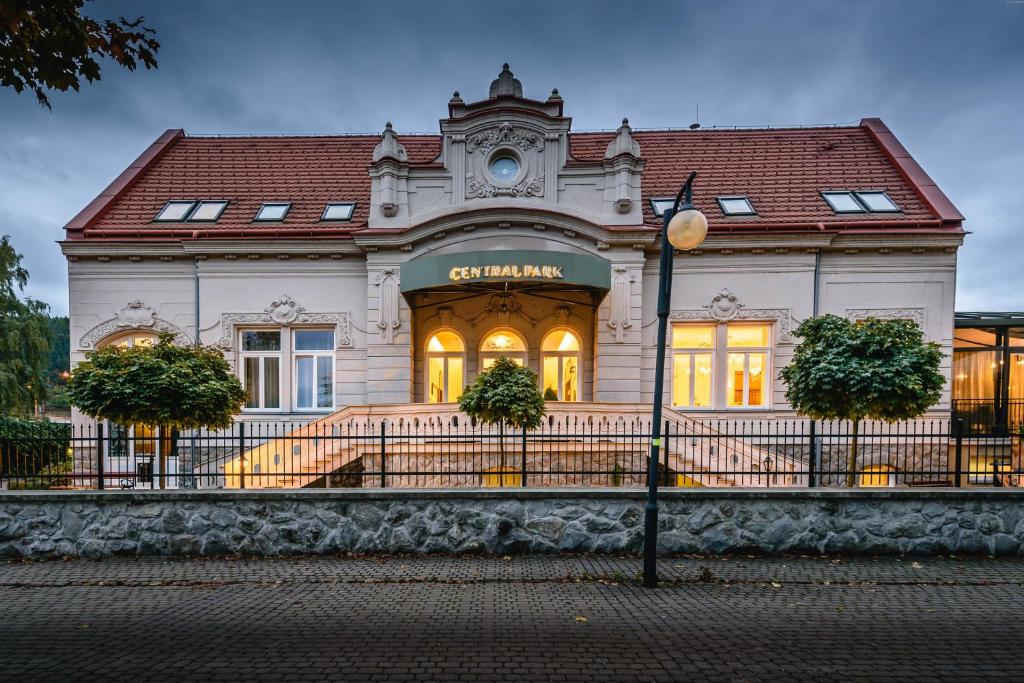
x=851, y=465
x=501, y=456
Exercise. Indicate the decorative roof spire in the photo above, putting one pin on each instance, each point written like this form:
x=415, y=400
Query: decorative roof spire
x=506, y=85
x=623, y=142
x=389, y=147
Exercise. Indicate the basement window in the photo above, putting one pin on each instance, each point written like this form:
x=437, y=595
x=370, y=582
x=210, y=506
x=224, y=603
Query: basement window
x=175, y=210
x=877, y=202
x=341, y=211
x=736, y=206
x=662, y=204
x=843, y=202
x=273, y=212
x=207, y=211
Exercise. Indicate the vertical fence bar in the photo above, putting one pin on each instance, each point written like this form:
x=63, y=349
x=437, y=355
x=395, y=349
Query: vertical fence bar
x=241, y=455
x=664, y=453
x=383, y=456
x=522, y=474
x=100, y=474
x=958, y=465
x=812, y=460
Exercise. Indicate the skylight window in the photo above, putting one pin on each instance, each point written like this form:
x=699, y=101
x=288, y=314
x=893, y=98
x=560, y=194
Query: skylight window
x=843, y=202
x=273, y=212
x=338, y=212
x=207, y=211
x=736, y=206
x=661, y=205
x=175, y=211
x=877, y=202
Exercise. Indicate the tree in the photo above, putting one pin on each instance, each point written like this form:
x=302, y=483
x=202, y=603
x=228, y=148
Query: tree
x=163, y=386
x=875, y=369
x=48, y=44
x=504, y=394
x=24, y=338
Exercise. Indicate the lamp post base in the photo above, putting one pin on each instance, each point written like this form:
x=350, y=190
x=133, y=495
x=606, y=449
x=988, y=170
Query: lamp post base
x=651, y=545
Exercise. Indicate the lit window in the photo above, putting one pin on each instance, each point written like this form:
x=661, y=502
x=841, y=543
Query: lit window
x=714, y=360
x=877, y=476
x=446, y=361
x=175, y=211
x=207, y=211
x=878, y=202
x=272, y=212
x=746, y=383
x=260, y=353
x=843, y=202
x=560, y=365
x=313, y=366
x=338, y=212
x=692, y=365
x=503, y=343
x=736, y=206
x=661, y=205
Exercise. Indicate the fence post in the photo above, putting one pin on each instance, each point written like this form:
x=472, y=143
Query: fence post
x=241, y=455
x=101, y=475
x=522, y=471
x=812, y=462
x=958, y=466
x=664, y=452
x=383, y=457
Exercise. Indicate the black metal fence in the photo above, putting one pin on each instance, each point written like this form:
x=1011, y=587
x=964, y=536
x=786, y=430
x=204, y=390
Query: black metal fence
x=404, y=453
x=988, y=417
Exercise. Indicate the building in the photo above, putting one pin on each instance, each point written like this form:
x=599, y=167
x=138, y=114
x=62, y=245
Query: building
x=350, y=270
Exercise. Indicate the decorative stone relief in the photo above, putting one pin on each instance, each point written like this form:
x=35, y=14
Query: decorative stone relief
x=284, y=311
x=527, y=187
x=388, y=318
x=135, y=315
x=504, y=134
x=726, y=306
x=503, y=306
x=620, y=319
x=915, y=314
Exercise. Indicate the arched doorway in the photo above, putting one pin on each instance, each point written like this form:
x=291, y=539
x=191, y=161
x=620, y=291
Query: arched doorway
x=502, y=343
x=560, y=365
x=446, y=363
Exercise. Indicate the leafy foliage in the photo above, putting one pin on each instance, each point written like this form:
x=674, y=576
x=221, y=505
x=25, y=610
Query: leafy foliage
x=49, y=44
x=875, y=369
x=160, y=385
x=505, y=394
x=24, y=338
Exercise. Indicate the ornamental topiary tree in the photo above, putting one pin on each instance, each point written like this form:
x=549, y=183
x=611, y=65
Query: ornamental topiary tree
x=164, y=385
x=504, y=394
x=875, y=369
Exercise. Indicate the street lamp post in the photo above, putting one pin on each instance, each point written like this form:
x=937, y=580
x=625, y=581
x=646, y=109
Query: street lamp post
x=684, y=228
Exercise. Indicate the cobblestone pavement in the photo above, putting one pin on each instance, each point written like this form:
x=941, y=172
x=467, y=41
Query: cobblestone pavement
x=579, y=618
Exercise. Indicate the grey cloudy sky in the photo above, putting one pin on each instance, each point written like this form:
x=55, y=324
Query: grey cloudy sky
x=947, y=77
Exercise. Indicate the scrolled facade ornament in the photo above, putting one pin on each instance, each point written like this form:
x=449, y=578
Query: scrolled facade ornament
x=505, y=134
x=619, y=318
x=527, y=187
x=134, y=316
x=388, y=319
x=914, y=314
x=284, y=311
x=725, y=306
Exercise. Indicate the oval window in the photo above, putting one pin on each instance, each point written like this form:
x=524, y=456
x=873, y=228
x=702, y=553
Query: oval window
x=505, y=169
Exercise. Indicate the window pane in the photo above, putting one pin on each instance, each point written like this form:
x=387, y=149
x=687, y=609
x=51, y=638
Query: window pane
x=338, y=212
x=435, y=379
x=747, y=335
x=272, y=212
x=314, y=340
x=271, y=382
x=681, y=380
x=758, y=365
x=503, y=340
x=455, y=384
x=252, y=382
x=734, y=379
x=145, y=441
x=877, y=201
x=445, y=341
x=174, y=211
x=551, y=376
x=570, y=378
x=702, y=380
x=561, y=340
x=324, y=382
x=304, y=381
x=693, y=336
x=207, y=211
x=254, y=340
x=975, y=374
x=843, y=202
x=736, y=206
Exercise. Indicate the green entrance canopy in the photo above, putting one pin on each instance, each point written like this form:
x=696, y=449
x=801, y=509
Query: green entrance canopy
x=511, y=266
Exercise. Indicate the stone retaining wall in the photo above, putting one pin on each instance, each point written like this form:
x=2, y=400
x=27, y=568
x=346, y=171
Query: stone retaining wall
x=893, y=521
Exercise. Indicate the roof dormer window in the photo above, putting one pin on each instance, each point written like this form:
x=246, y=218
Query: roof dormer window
x=338, y=211
x=661, y=204
x=175, y=210
x=275, y=211
x=736, y=206
x=207, y=211
x=877, y=202
x=843, y=202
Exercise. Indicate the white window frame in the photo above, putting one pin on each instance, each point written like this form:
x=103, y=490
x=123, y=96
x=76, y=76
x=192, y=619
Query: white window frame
x=279, y=354
x=691, y=353
x=315, y=355
x=766, y=382
x=719, y=360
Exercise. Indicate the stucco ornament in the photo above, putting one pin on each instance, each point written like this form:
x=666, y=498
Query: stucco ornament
x=505, y=134
x=619, y=318
x=503, y=307
x=388, y=320
x=136, y=314
x=914, y=314
x=725, y=306
x=284, y=310
x=527, y=187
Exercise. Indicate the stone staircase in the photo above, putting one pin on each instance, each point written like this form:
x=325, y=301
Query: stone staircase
x=580, y=444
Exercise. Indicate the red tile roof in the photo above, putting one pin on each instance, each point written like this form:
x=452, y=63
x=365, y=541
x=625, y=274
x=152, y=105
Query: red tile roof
x=783, y=172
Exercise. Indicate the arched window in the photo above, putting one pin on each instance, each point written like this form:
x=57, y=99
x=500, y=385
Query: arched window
x=560, y=366
x=131, y=339
x=502, y=343
x=877, y=476
x=446, y=360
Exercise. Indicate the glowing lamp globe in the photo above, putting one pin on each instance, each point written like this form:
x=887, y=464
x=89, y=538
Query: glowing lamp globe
x=687, y=229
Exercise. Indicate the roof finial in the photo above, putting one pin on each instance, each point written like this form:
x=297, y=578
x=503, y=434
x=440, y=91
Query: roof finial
x=506, y=85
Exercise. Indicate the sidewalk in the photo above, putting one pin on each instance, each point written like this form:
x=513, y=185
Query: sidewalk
x=521, y=618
